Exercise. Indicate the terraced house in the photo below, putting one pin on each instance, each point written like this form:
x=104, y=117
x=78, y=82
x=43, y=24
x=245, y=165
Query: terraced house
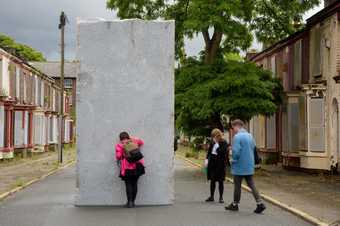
x=29, y=108
x=304, y=132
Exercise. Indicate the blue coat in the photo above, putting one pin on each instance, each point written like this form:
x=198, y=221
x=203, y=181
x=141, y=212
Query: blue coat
x=242, y=162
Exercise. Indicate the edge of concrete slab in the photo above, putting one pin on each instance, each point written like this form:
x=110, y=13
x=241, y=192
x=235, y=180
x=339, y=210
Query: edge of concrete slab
x=11, y=192
x=282, y=205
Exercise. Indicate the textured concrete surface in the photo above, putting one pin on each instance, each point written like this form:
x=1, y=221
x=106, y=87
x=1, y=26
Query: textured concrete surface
x=126, y=83
x=51, y=203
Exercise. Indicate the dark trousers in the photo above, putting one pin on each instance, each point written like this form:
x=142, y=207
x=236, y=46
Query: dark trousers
x=220, y=188
x=131, y=187
x=237, y=188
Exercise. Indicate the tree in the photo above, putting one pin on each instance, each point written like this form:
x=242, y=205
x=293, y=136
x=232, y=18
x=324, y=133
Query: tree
x=23, y=51
x=223, y=24
x=275, y=20
x=206, y=92
x=218, y=82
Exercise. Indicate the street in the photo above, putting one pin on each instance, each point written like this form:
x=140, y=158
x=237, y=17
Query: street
x=50, y=203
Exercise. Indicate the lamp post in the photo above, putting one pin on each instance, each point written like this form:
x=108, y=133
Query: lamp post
x=61, y=27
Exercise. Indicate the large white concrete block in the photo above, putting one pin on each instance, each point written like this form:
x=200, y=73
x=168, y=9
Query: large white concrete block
x=125, y=83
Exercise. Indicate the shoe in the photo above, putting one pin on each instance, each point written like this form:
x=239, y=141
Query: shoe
x=221, y=200
x=129, y=204
x=260, y=208
x=232, y=207
x=210, y=199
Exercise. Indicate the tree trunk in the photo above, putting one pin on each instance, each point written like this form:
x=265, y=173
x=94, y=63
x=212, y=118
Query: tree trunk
x=211, y=45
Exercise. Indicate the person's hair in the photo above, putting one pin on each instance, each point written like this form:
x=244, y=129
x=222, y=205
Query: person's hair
x=237, y=122
x=217, y=134
x=124, y=135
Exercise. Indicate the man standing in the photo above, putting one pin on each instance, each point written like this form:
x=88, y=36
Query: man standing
x=242, y=165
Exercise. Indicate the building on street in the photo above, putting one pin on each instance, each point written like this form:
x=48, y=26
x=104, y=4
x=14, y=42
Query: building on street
x=29, y=108
x=304, y=133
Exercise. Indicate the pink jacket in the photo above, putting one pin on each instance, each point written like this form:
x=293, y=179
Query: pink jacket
x=124, y=164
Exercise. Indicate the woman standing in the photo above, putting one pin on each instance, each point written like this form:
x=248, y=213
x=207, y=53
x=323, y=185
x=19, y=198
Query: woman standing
x=129, y=171
x=217, y=160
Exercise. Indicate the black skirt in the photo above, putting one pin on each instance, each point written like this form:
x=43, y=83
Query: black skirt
x=139, y=171
x=216, y=170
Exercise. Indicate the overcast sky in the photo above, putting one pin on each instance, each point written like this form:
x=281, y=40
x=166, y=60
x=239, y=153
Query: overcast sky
x=35, y=23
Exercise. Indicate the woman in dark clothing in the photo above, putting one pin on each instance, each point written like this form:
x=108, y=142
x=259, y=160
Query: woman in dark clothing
x=217, y=160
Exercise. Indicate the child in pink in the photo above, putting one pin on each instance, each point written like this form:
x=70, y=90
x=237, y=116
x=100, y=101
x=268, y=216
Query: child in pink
x=129, y=171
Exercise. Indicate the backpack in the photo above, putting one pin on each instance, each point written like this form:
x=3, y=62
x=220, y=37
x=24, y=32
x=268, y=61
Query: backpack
x=132, y=152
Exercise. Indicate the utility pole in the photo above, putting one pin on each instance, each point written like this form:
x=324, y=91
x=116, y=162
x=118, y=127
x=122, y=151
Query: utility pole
x=62, y=24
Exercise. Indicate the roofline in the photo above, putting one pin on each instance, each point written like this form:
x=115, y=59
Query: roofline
x=321, y=15
x=26, y=64
x=281, y=44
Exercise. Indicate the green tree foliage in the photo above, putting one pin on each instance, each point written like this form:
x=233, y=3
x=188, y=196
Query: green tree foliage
x=210, y=85
x=23, y=51
x=277, y=19
x=205, y=92
x=223, y=24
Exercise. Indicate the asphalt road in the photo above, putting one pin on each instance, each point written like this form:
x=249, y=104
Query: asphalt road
x=50, y=203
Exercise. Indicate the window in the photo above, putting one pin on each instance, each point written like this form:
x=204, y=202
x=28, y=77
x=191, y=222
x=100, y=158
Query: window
x=293, y=124
x=303, y=123
x=316, y=124
x=315, y=57
x=271, y=132
x=297, y=64
x=68, y=83
x=273, y=65
x=17, y=81
x=0, y=72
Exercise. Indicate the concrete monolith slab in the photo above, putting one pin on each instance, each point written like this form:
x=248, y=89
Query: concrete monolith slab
x=125, y=83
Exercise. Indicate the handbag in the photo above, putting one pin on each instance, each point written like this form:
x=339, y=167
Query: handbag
x=257, y=158
x=135, y=156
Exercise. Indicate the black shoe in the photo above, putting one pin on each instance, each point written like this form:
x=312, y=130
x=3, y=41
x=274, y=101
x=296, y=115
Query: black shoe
x=129, y=204
x=210, y=199
x=232, y=207
x=221, y=200
x=260, y=208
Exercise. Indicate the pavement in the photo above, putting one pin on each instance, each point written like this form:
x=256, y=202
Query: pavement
x=51, y=202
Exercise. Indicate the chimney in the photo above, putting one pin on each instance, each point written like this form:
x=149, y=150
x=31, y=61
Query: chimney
x=250, y=54
x=329, y=2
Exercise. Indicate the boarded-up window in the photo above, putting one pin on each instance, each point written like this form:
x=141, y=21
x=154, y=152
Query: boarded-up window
x=2, y=125
x=21, y=85
x=317, y=124
x=303, y=123
x=17, y=81
x=285, y=79
x=1, y=73
x=279, y=64
x=12, y=78
x=271, y=132
x=290, y=76
x=305, y=59
x=293, y=124
x=273, y=65
x=297, y=64
x=19, y=129
x=259, y=131
x=36, y=78
x=316, y=58
x=42, y=94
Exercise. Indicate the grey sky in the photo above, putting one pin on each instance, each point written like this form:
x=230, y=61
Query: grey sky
x=35, y=23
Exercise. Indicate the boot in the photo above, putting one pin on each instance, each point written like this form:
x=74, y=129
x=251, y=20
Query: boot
x=232, y=207
x=129, y=204
x=260, y=208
